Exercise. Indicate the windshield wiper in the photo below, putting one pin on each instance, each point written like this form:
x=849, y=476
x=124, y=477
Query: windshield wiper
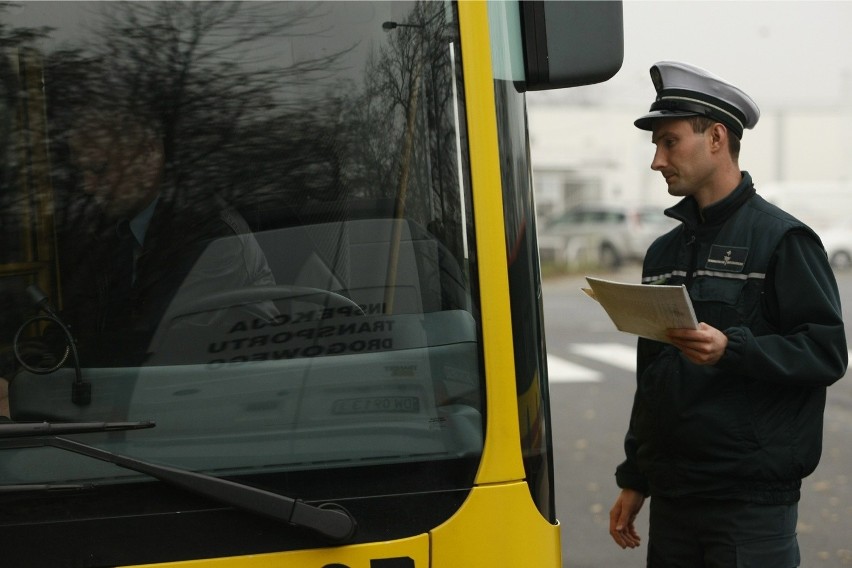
x=329, y=519
x=30, y=429
x=44, y=487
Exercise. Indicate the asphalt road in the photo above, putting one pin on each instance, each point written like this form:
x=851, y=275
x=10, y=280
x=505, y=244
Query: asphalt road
x=592, y=383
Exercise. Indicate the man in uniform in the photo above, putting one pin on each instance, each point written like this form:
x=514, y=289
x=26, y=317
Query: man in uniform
x=150, y=244
x=727, y=418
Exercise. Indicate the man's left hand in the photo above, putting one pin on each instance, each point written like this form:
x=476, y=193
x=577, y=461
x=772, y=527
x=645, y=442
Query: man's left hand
x=702, y=346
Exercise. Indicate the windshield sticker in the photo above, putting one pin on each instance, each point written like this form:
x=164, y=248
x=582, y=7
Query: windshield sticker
x=254, y=340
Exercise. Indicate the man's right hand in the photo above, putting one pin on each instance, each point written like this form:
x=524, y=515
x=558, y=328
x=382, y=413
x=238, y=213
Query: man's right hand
x=622, y=517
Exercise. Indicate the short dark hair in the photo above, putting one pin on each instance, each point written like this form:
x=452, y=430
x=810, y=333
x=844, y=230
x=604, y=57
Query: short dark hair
x=702, y=123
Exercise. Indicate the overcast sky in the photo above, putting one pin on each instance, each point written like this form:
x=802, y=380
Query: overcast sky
x=783, y=53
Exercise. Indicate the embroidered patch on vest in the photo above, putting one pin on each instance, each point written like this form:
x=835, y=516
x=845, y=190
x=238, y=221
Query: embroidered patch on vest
x=728, y=259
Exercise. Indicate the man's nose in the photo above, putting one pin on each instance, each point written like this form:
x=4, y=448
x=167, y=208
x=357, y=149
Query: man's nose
x=658, y=162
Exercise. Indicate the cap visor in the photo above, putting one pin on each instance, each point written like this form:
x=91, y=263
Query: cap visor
x=646, y=122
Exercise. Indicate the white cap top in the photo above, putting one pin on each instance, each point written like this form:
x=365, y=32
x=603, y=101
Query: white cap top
x=685, y=90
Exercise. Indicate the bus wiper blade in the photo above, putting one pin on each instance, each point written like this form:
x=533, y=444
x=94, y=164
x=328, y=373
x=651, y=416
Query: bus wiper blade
x=39, y=487
x=27, y=429
x=329, y=520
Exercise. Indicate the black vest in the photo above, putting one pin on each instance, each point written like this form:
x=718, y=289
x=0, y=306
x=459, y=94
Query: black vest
x=725, y=274
x=694, y=424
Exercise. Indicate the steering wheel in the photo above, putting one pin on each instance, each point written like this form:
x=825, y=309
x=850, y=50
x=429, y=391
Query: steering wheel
x=257, y=294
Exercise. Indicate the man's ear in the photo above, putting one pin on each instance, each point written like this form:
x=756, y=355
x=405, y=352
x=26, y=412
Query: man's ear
x=719, y=137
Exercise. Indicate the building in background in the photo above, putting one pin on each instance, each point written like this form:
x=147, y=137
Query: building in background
x=800, y=158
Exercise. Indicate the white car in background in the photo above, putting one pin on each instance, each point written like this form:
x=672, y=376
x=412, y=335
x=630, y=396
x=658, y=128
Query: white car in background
x=837, y=241
x=601, y=235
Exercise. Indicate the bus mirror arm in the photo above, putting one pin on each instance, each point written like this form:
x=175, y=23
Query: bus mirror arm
x=329, y=520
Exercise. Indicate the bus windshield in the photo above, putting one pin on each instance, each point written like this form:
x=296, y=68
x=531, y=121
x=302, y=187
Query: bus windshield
x=204, y=195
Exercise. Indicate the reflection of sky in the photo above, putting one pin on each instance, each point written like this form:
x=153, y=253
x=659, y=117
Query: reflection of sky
x=355, y=24
x=68, y=18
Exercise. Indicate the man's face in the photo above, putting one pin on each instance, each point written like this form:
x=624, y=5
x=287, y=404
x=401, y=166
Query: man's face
x=120, y=170
x=682, y=156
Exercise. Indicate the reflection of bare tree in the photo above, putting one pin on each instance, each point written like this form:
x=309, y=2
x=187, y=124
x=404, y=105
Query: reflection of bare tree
x=208, y=77
x=14, y=41
x=408, y=96
x=205, y=75
x=22, y=235
x=239, y=114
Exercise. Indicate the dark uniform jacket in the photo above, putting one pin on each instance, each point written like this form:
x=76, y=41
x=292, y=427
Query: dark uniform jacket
x=750, y=427
x=189, y=253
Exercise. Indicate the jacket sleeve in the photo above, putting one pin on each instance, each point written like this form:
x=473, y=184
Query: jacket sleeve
x=802, y=300
x=627, y=474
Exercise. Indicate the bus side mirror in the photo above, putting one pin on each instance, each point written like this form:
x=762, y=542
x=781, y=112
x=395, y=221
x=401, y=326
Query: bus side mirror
x=568, y=44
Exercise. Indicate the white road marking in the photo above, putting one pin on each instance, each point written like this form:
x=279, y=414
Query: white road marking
x=615, y=354
x=561, y=371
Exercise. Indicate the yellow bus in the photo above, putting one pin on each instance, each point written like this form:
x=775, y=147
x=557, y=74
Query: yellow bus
x=269, y=286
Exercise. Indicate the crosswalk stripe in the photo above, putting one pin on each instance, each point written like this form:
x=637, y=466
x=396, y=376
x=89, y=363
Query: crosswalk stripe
x=615, y=354
x=561, y=371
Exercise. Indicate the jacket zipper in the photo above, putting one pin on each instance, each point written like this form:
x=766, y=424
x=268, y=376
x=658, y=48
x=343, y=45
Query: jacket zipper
x=693, y=259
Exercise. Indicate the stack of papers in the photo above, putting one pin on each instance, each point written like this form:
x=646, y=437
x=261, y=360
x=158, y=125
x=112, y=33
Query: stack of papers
x=646, y=310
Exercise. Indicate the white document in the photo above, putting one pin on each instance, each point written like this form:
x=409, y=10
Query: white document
x=646, y=310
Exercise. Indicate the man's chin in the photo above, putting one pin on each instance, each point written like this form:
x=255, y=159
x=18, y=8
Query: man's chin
x=677, y=190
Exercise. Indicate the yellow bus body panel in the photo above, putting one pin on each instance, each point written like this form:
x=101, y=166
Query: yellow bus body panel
x=498, y=526
x=501, y=456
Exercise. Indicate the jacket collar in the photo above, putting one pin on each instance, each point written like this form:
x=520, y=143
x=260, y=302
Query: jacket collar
x=687, y=211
